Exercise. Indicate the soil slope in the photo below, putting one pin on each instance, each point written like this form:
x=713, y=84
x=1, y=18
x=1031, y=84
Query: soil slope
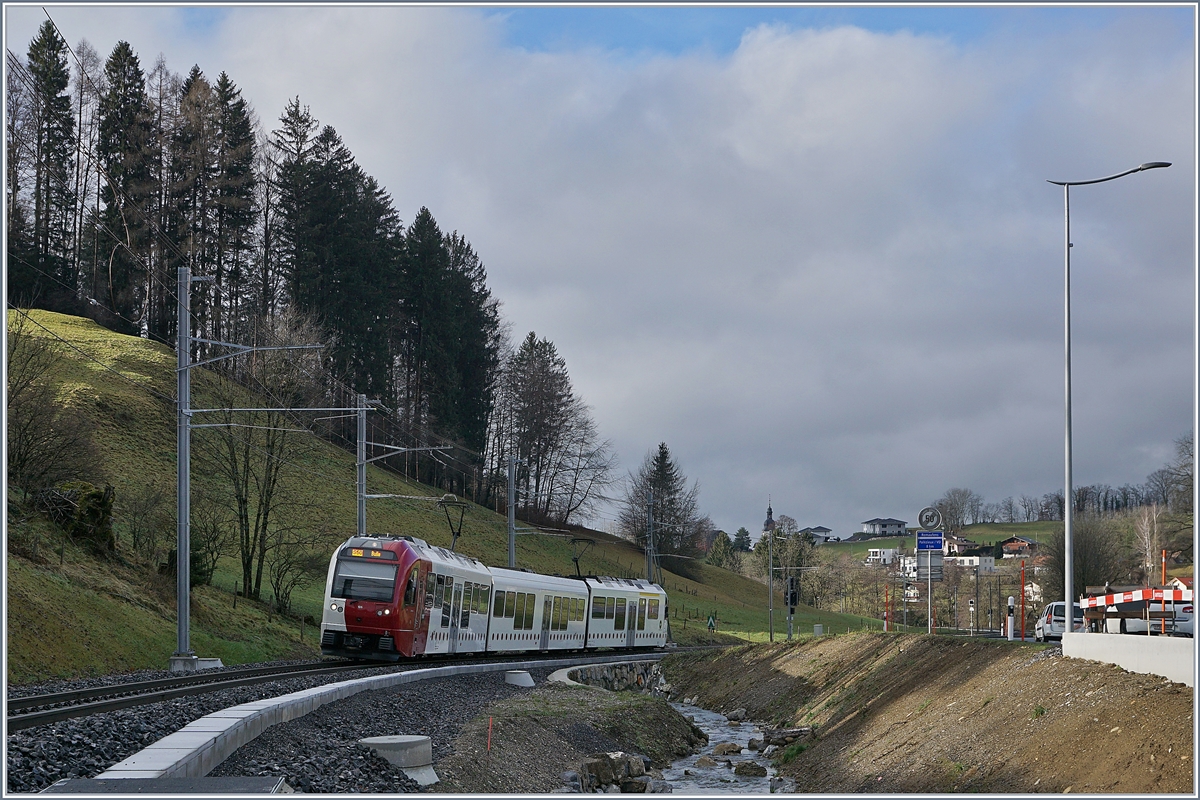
x=911, y=713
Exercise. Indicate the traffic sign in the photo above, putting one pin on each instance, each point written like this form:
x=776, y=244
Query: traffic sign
x=929, y=540
x=930, y=517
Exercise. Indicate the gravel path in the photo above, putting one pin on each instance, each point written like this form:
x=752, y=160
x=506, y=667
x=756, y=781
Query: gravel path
x=325, y=759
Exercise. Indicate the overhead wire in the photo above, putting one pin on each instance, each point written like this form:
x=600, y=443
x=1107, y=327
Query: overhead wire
x=170, y=246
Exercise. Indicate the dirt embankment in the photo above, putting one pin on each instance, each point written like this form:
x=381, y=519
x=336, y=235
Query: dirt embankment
x=537, y=736
x=918, y=713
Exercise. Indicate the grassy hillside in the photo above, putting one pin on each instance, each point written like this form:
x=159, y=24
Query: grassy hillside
x=70, y=613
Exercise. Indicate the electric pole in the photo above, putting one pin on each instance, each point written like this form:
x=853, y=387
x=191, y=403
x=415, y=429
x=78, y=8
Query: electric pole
x=512, y=512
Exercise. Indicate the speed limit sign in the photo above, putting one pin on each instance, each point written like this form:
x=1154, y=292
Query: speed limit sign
x=930, y=518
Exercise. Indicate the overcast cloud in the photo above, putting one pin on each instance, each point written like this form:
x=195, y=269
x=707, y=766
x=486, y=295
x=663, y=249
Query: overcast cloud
x=824, y=266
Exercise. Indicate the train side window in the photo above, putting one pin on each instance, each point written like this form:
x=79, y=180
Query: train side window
x=519, y=619
x=477, y=601
x=468, y=597
x=485, y=592
x=574, y=609
x=610, y=608
x=558, y=614
x=439, y=591
x=620, y=615
x=510, y=604
x=652, y=610
x=430, y=585
x=464, y=620
x=598, y=605
x=410, y=588
x=641, y=619
x=530, y=608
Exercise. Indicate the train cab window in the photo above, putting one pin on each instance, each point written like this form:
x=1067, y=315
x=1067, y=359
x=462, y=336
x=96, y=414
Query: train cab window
x=410, y=587
x=359, y=579
x=620, y=615
x=652, y=610
x=598, y=606
x=510, y=604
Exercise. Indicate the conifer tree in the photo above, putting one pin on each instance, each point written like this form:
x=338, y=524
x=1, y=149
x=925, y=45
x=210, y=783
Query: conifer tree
x=125, y=144
x=53, y=135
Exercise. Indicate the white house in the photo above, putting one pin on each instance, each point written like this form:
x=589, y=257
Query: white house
x=885, y=527
x=986, y=564
x=882, y=555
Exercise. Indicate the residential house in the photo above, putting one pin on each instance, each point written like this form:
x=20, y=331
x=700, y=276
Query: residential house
x=985, y=564
x=885, y=527
x=956, y=545
x=820, y=534
x=1018, y=547
x=883, y=555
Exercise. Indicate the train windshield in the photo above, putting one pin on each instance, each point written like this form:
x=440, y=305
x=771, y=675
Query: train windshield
x=354, y=579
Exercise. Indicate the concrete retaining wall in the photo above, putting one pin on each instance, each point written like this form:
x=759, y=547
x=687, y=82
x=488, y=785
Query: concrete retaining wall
x=635, y=675
x=1170, y=657
x=194, y=750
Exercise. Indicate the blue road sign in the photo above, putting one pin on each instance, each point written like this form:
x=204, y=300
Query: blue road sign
x=929, y=540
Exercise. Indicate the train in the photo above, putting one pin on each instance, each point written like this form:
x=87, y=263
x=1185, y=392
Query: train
x=394, y=597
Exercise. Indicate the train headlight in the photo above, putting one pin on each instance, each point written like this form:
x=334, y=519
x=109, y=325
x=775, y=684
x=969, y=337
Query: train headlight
x=333, y=606
x=387, y=611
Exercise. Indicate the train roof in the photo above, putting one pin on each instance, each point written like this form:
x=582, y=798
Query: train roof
x=424, y=549
x=629, y=584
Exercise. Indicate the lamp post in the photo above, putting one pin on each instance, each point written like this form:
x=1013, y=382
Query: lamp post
x=769, y=532
x=1068, y=493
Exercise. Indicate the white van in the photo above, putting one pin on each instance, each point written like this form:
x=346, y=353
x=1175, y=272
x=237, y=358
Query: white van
x=1051, y=623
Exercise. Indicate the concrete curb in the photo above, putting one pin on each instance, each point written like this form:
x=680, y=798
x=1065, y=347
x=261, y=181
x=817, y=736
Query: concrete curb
x=1169, y=657
x=194, y=750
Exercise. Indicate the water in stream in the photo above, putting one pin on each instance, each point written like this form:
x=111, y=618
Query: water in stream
x=687, y=778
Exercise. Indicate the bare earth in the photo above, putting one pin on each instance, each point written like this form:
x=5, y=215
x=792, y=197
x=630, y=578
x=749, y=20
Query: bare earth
x=892, y=713
x=912, y=713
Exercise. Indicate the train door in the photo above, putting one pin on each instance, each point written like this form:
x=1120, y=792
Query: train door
x=408, y=618
x=626, y=618
x=546, y=608
x=454, y=614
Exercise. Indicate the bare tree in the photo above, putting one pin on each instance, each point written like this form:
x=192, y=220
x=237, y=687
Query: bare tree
x=1146, y=538
x=253, y=452
x=47, y=442
x=1098, y=557
x=1029, y=508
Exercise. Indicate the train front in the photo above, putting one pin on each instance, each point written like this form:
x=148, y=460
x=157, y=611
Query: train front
x=372, y=599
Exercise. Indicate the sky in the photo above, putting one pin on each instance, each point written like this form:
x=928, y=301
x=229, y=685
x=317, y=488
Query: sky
x=811, y=248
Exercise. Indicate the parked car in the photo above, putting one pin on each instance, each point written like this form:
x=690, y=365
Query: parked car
x=1180, y=624
x=1051, y=623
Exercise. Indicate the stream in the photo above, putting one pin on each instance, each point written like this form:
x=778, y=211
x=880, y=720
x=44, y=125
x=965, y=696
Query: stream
x=687, y=778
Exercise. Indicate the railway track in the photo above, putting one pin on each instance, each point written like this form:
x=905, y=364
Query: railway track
x=28, y=712
x=34, y=710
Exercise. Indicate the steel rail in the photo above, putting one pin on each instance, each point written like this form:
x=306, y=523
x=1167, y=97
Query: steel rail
x=85, y=702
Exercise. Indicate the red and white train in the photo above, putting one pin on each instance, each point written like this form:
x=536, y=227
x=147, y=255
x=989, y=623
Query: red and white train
x=390, y=597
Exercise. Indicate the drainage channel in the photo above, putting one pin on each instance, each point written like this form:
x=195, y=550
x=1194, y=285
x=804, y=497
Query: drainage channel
x=698, y=774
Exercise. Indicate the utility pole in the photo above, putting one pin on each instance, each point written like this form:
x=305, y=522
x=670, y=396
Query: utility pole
x=512, y=512
x=650, y=534
x=184, y=660
x=362, y=465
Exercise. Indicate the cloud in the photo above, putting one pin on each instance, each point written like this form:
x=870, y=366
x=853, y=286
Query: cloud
x=824, y=266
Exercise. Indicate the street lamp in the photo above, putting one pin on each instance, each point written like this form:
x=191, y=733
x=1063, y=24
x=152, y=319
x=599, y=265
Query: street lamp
x=769, y=532
x=1068, y=493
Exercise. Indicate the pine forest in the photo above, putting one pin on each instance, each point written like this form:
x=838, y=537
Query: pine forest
x=120, y=173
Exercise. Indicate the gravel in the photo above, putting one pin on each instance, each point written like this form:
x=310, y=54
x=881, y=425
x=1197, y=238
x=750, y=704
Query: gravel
x=318, y=752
